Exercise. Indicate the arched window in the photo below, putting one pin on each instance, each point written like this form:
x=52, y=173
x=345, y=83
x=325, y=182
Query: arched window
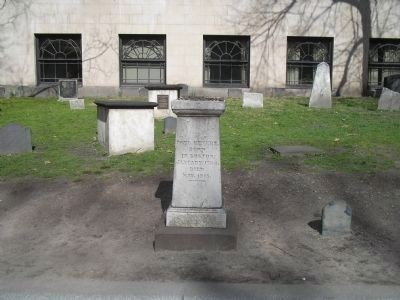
x=142, y=59
x=303, y=56
x=384, y=60
x=58, y=57
x=226, y=60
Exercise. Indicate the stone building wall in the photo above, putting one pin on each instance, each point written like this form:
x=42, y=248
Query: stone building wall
x=184, y=22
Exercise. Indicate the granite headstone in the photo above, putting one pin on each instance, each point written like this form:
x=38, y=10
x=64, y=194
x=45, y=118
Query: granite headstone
x=67, y=89
x=389, y=100
x=169, y=125
x=15, y=139
x=336, y=218
x=321, y=94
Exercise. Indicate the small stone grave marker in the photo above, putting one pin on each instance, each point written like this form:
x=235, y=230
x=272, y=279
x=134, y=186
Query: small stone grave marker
x=321, y=91
x=15, y=139
x=254, y=100
x=169, y=125
x=336, y=218
x=163, y=101
x=67, y=89
x=392, y=82
x=2, y=92
x=77, y=104
x=389, y=100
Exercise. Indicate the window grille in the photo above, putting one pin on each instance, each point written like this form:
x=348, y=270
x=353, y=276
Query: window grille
x=384, y=60
x=142, y=59
x=58, y=57
x=303, y=56
x=226, y=60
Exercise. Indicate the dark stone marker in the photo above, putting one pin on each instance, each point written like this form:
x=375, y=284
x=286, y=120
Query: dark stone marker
x=336, y=218
x=392, y=82
x=169, y=125
x=298, y=150
x=2, y=92
x=163, y=101
x=185, y=238
x=15, y=139
x=68, y=89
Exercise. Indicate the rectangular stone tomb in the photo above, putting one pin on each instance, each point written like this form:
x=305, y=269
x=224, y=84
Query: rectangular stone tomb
x=321, y=94
x=15, y=139
x=163, y=95
x=67, y=89
x=196, y=196
x=254, y=100
x=77, y=103
x=125, y=126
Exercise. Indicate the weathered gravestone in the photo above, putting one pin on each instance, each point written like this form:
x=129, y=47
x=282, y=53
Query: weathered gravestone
x=67, y=89
x=163, y=95
x=321, y=94
x=77, y=103
x=392, y=82
x=336, y=218
x=197, y=197
x=169, y=125
x=196, y=218
x=254, y=100
x=15, y=139
x=389, y=100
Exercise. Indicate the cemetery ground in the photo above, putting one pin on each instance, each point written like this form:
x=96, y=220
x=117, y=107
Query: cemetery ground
x=69, y=210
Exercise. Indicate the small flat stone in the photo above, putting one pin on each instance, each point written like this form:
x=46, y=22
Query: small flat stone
x=298, y=150
x=15, y=139
x=336, y=218
x=77, y=103
x=253, y=100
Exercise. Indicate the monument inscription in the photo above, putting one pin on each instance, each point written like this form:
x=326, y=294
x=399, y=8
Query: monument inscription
x=163, y=101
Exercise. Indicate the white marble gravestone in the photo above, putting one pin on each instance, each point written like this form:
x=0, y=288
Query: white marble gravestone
x=321, y=94
x=196, y=194
x=389, y=100
x=254, y=100
x=77, y=103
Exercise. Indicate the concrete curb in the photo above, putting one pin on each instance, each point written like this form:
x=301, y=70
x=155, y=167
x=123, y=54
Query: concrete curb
x=96, y=289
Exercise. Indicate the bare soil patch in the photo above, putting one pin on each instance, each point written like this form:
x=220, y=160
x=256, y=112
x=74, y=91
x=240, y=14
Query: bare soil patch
x=104, y=228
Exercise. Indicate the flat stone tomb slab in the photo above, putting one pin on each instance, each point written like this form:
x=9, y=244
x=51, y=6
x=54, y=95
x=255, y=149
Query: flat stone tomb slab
x=389, y=100
x=321, y=94
x=15, y=139
x=125, y=126
x=196, y=196
x=295, y=150
x=254, y=100
x=184, y=238
x=67, y=89
x=163, y=95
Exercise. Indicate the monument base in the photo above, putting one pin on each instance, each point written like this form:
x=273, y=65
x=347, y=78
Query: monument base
x=209, y=239
x=196, y=217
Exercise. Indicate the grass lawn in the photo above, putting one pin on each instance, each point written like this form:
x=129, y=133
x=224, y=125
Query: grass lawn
x=354, y=135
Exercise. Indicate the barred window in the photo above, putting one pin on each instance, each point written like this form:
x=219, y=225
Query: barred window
x=384, y=60
x=142, y=59
x=226, y=60
x=58, y=56
x=303, y=56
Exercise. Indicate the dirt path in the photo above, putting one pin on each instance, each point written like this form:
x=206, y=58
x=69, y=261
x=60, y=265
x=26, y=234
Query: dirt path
x=104, y=228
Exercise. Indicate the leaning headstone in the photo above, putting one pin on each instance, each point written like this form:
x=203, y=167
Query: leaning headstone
x=392, y=82
x=169, y=125
x=67, y=89
x=77, y=104
x=389, y=100
x=336, y=218
x=196, y=196
x=321, y=94
x=15, y=139
x=254, y=100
